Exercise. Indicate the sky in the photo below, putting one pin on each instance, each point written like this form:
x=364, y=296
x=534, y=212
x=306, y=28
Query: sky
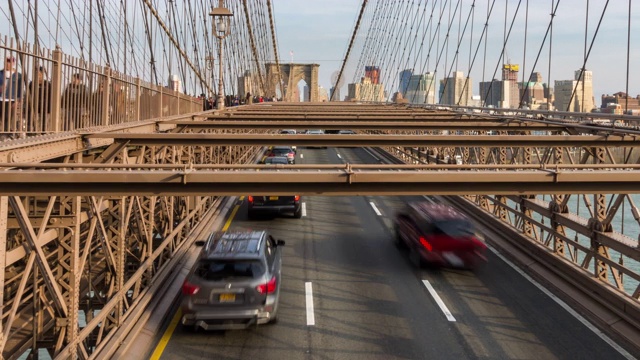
x=318, y=31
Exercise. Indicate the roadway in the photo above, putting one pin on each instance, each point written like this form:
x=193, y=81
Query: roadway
x=371, y=302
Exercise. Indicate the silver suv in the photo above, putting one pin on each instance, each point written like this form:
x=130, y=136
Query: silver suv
x=235, y=283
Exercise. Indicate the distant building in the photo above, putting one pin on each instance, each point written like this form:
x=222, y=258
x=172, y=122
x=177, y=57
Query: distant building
x=405, y=77
x=336, y=96
x=372, y=73
x=623, y=100
x=366, y=91
x=323, y=94
x=421, y=89
x=534, y=93
x=581, y=89
x=502, y=93
x=491, y=93
x=306, y=94
x=455, y=90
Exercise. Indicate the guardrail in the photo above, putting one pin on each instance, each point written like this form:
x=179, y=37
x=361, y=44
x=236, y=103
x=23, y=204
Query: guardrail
x=46, y=91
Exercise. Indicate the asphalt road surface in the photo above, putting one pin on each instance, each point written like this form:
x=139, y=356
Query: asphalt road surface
x=369, y=301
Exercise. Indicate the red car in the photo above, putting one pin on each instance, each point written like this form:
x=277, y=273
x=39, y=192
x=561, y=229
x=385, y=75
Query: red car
x=439, y=235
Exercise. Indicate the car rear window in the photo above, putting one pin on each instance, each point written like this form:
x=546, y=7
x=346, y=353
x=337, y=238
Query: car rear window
x=453, y=228
x=281, y=151
x=215, y=270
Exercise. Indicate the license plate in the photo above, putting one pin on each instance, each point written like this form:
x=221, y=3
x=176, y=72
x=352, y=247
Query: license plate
x=273, y=198
x=227, y=297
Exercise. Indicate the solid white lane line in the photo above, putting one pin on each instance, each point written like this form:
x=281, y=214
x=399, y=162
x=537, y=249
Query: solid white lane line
x=438, y=300
x=311, y=319
x=564, y=305
x=304, y=209
x=375, y=208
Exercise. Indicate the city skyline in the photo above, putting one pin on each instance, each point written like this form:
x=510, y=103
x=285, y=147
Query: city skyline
x=303, y=29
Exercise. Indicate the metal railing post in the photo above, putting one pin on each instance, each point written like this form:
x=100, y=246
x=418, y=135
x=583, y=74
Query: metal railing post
x=106, y=94
x=137, y=103
x=161, y=113
x=56, y=89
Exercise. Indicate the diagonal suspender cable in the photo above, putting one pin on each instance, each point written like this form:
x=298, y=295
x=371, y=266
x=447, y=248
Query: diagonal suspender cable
x=346, y=57
x=175, y=43
x=253, y=44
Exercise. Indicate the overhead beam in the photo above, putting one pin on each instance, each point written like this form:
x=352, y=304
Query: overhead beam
x=364, y=125
x=346, y=181
x=205, y=139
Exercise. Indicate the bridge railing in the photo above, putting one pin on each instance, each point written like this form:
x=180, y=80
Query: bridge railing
x=46, y=91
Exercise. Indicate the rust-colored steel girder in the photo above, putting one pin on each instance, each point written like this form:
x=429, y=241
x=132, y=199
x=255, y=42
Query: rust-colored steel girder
x=371, y=140
x=329, y=180
x=330, y=124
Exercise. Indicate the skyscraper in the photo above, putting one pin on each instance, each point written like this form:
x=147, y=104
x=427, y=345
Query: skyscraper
x=373, y=73
x=582, y=90
x=405, y=76
x=421, y=89
x=455, y=90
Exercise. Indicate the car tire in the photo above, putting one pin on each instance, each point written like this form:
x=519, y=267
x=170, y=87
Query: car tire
x=416, y=259
x=298, y=213
x=397, y=239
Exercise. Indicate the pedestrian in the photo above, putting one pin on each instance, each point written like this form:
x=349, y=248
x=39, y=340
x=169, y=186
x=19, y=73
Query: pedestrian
x=74, y=101
x=11, y=96
x=249, y=100
x=39, y=104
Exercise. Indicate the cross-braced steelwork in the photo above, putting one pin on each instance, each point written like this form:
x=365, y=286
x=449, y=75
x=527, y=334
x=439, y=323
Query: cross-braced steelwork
x=108, y=175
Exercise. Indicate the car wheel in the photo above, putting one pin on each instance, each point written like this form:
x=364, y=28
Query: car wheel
x=416, y=259
x=397, y=239
x=298, y=213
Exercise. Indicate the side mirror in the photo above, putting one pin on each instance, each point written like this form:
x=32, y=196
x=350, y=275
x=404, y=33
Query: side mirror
x=200, y=242
x=280, y=242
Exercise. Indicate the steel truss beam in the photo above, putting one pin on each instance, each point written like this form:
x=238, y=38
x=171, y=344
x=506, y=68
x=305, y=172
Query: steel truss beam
x=328, y=124
x=190, y=139
x=347, y=180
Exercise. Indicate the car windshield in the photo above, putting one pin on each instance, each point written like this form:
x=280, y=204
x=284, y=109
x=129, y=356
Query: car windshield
x=293, y=132
x=276, y=160
x=315, y=132
x=216, y=270
x=453, y=228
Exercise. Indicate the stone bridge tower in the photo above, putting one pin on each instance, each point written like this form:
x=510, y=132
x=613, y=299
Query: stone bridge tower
x=291, y=75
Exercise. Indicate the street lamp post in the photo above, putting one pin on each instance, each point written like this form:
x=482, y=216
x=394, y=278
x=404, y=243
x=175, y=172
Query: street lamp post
x=221, y=18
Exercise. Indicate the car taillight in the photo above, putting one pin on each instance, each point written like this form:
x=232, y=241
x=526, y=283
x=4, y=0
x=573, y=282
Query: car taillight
x=296, y=198
x=425, y=243
x=267, y=288
x=189, y=289
x=250, y=198
x=478, y=243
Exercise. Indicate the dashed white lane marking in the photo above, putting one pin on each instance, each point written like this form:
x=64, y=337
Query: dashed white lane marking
x=564, y=305
x=370, y=153
x=438, y=300
x=301, y=156
x=339, y=156
x=375, y=208
x=308, y=289
x=304, y=209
